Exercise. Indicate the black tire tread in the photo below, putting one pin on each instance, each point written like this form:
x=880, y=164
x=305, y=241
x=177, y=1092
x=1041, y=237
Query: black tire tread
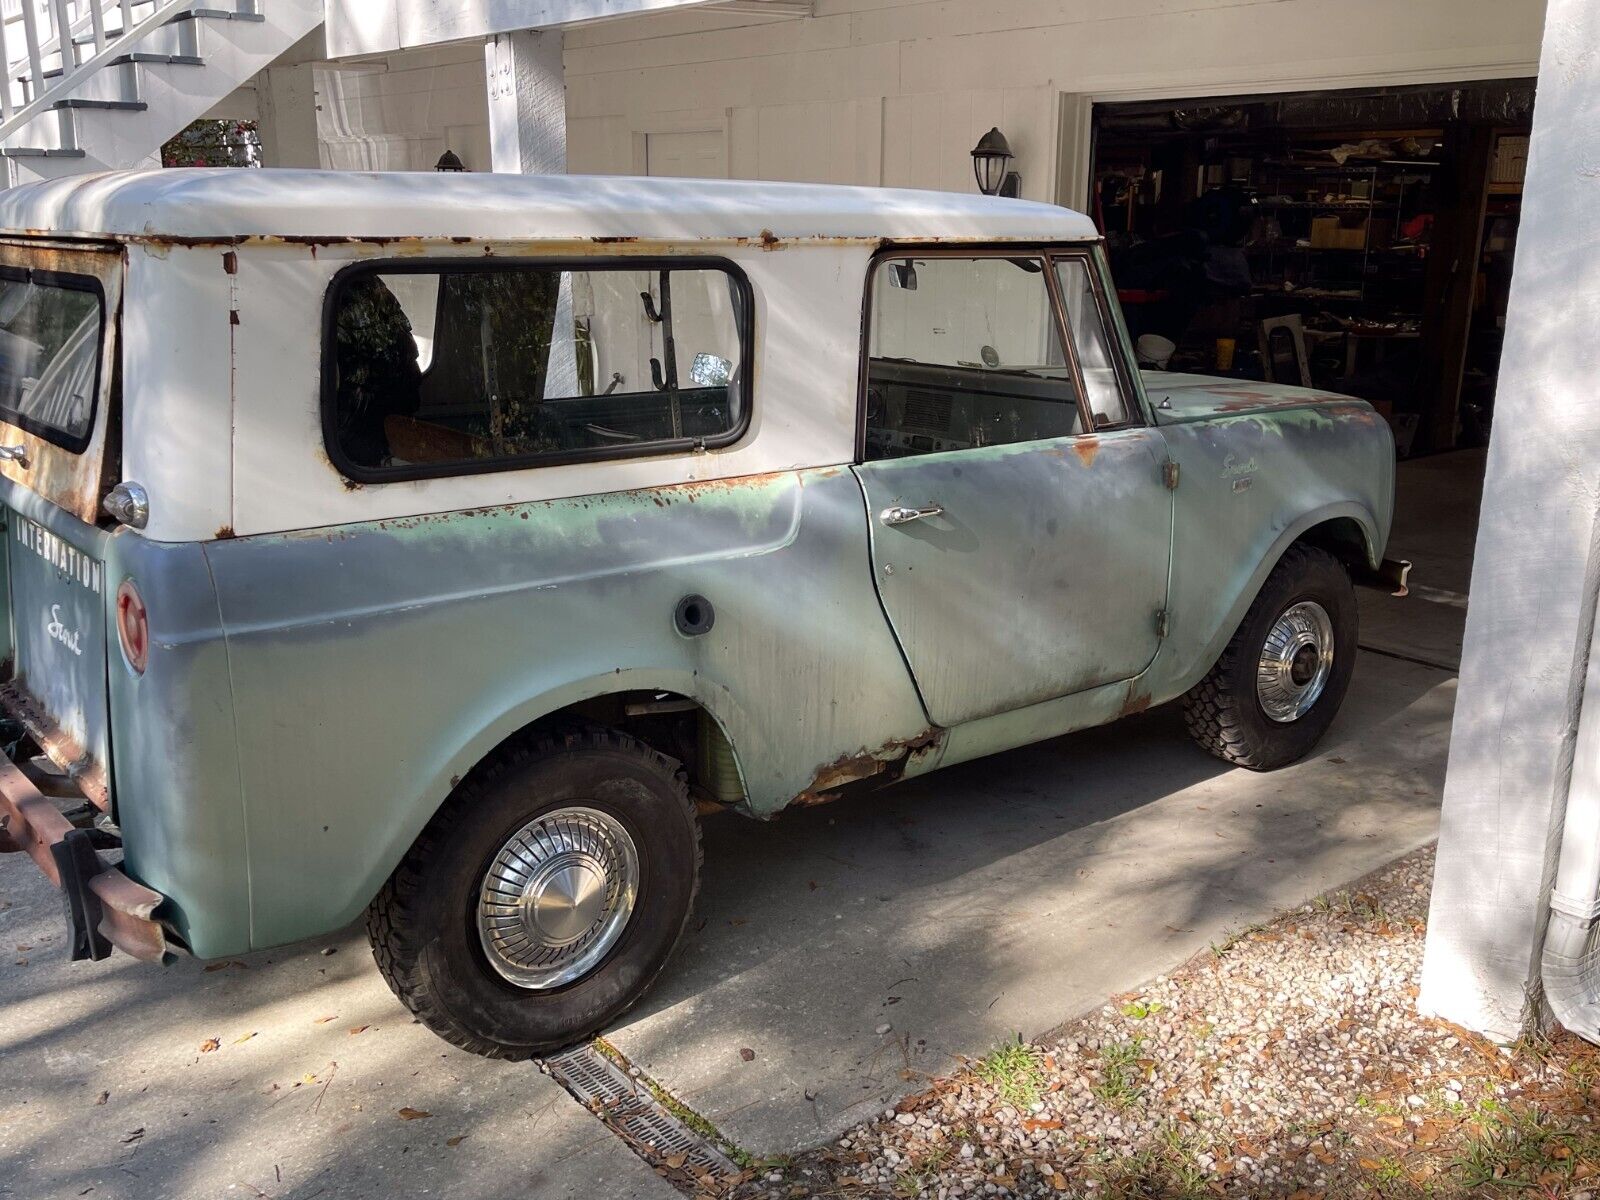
x=392, y=916
x=1211, y=708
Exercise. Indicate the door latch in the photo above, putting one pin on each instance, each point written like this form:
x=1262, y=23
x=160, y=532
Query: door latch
x=1169, y=474
x=899, y=514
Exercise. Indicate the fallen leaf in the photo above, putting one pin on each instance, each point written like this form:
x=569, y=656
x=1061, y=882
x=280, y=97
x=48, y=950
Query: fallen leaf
x=675, y=1160
x=325, y=1020
x=355, y=1029
x=245, y=1038
x=413, y=1114
x=1227, y=1108
x=1368, y=1164
x=1034, y=1124
x=747, y=1054
x=210, y=1044
x=133, y=1135
x=456, y=1141
x=1393, y=1122
x=1058, y=1181
x=210, y=967
x=104, y=1096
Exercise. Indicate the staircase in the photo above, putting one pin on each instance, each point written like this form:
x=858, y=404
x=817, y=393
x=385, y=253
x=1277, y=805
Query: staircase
x=95, y=85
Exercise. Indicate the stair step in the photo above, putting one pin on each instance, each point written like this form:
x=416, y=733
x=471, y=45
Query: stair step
x=145, y=56
x=138, y=56
x=37, y=152
x=216, y=14
x=109, y=105
x=86, y=38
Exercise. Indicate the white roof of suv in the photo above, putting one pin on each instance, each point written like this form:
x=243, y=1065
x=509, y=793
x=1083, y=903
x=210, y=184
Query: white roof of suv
x=226, y=203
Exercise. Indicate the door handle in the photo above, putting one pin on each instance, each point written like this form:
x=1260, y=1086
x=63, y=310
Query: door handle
x=899, y=514
x=16, y=454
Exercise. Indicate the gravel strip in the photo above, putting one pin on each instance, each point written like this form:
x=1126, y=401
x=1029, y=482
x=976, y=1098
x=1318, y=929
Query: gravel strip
x=1287, y=1062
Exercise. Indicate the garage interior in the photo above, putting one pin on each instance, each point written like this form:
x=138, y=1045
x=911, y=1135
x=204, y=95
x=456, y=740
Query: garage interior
x=1358, y=241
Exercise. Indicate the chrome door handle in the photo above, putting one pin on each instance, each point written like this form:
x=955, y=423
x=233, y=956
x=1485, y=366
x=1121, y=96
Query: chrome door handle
x=899, y=514
x=16, y=454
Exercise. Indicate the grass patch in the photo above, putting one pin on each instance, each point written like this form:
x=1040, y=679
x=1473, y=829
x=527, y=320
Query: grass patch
x=1014, y=1070
x=1525, y=1150
x=1119, y=1083
x=1168, y=1166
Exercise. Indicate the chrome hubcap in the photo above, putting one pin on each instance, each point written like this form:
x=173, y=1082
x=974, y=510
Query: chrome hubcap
x=1295, y=662
x=557, y=897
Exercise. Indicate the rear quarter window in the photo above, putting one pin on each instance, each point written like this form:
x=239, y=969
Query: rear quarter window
x=51, y=329
x=434, y=369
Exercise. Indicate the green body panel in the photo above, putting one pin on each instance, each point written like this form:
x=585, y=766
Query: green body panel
x=175, y=747
x=374, y=665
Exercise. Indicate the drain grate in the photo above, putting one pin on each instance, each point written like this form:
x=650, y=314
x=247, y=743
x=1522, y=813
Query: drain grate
x=632, y=1112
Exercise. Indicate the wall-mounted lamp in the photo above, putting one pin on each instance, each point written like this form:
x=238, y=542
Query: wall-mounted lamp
x=991, y=159
x=449, y=161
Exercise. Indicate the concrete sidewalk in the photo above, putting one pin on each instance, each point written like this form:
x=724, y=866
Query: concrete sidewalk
x=1002, y=896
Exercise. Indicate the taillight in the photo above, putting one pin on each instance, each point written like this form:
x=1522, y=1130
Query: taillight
x=133, y=627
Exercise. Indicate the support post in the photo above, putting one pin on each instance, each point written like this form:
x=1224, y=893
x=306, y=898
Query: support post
x=286, y=99
x=1535, y=575
x=528, y=135
x=527, y=102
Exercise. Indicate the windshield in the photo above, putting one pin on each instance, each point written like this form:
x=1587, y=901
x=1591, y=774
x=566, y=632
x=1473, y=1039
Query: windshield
x=50, y=331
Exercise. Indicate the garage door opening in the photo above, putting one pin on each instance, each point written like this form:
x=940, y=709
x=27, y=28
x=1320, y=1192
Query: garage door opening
x=1354, y=241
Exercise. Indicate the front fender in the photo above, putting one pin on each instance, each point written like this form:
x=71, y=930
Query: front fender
x=1204, y=652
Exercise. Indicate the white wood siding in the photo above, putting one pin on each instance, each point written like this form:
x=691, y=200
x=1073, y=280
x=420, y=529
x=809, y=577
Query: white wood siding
x=896, y=93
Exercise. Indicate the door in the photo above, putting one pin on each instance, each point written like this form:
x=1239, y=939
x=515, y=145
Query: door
x=58, y=308
x=1021, y=520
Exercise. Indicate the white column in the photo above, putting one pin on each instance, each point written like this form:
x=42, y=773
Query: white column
x=1535, y=576
x=527, y=102
x=528, y=135
x=286, y=99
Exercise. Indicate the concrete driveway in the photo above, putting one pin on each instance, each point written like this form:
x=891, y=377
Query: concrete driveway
x=998, y=897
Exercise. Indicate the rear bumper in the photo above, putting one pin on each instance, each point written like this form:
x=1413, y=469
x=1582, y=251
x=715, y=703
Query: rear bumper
x=104, y=907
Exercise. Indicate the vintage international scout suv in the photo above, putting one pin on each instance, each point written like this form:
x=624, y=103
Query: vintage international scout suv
x=438, y=547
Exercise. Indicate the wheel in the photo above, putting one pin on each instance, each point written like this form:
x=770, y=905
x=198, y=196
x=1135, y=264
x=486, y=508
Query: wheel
x=544, y=898
x=1279, y=684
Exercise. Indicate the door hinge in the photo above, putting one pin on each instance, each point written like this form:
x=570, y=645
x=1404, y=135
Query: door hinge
x=1169, y=474
x=1161, y=623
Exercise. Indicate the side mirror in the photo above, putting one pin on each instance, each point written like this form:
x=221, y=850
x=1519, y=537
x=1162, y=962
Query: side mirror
x=710, y=370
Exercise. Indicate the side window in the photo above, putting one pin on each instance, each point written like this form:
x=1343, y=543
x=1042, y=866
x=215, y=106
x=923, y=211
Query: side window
x=964, y=352
x=1092, y=341
x=460, y=368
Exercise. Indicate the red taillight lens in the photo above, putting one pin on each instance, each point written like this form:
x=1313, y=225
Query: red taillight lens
x=133, y=627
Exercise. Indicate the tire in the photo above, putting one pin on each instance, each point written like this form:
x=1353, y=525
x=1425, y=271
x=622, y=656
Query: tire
x=425, y=926
x=1227, y=712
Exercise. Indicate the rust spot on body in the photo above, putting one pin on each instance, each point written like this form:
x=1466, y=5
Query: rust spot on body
x=883, y=765
x=1086, y=448
x=1137, y=702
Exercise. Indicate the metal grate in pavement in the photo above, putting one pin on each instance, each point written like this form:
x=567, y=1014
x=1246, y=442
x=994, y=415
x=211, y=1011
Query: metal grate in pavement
x=631, y=1111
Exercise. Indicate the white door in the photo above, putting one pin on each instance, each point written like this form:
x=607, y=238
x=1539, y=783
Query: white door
x=687, y=154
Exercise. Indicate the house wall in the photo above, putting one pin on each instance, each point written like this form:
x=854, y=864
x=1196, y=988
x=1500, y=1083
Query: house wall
x=897, y=93
x=401, y=112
